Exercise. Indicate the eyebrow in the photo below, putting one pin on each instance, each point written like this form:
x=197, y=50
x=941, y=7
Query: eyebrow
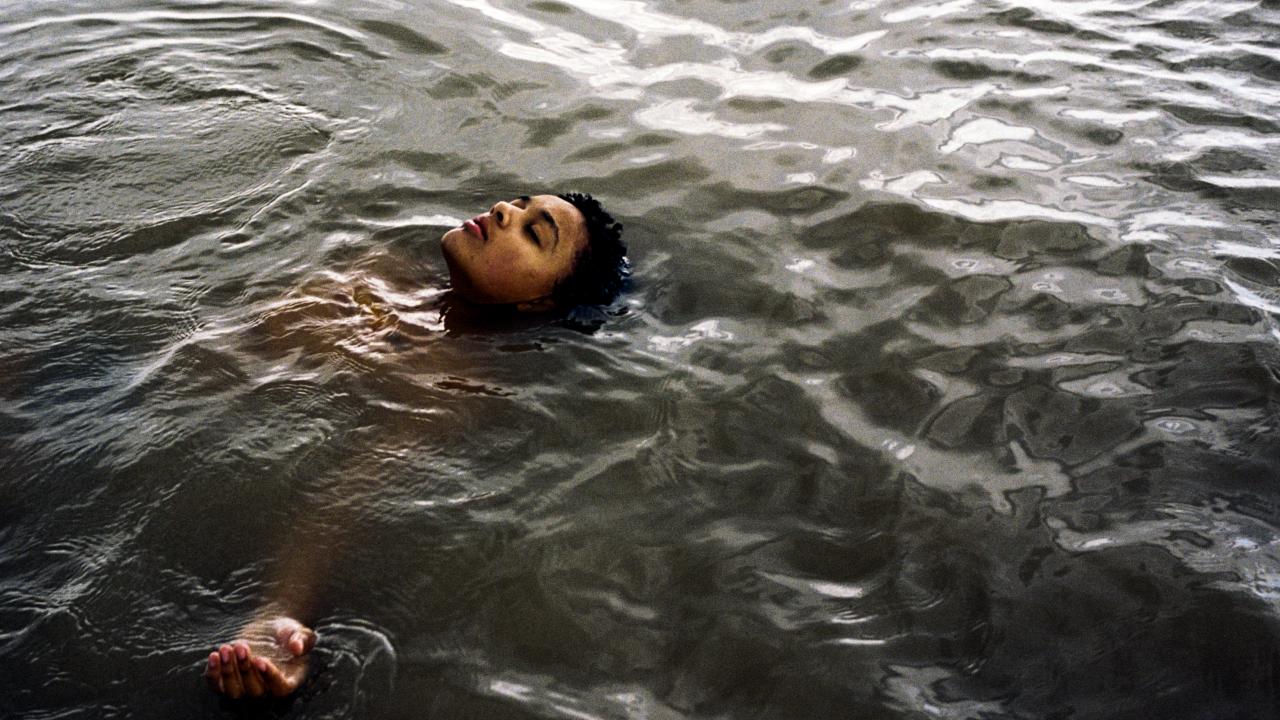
x=547, y=216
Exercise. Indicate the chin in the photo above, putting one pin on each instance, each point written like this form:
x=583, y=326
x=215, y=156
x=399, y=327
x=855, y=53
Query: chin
x=453, y=245
x=450, y=237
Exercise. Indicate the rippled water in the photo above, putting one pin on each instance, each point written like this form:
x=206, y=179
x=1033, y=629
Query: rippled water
x=945, y=386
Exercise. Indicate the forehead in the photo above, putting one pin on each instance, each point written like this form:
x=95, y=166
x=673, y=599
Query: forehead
x=565, y=214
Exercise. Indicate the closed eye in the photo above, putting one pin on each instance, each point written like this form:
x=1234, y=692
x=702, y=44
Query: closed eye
x=532, y=235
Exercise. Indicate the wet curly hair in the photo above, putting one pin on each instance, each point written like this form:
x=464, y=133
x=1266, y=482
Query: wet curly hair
x=601, y=268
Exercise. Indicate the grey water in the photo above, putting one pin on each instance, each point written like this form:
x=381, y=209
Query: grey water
x=945, y=384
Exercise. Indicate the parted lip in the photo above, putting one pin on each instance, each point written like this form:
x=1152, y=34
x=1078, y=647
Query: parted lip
x=479, y=225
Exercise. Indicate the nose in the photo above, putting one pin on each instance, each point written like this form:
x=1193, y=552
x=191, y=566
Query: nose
x=502, y=212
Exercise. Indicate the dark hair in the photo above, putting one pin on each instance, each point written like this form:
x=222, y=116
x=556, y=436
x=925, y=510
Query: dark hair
x=601, y=267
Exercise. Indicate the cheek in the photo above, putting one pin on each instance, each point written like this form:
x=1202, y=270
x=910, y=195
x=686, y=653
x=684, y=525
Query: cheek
x=511, y=269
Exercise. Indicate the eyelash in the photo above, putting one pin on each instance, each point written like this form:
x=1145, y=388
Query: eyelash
x=522, y=203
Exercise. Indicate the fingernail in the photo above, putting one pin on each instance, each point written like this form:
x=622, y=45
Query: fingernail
x=226, y=653
x=242, y=652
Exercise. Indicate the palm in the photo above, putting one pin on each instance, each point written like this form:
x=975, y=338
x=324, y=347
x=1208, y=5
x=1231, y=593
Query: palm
x=269, y=658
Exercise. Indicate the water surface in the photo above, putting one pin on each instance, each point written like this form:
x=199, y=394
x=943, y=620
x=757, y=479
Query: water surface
x=945, y=386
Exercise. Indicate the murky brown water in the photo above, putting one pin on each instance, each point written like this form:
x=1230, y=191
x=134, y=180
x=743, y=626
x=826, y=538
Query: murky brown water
x=945, y=386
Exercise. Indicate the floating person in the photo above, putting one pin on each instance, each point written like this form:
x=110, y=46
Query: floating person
x=539, y=254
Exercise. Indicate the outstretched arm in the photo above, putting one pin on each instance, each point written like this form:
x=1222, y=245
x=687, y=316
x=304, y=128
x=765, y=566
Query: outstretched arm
x=270, y=655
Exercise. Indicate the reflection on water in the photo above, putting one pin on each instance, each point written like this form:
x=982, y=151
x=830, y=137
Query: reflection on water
x=945, y=386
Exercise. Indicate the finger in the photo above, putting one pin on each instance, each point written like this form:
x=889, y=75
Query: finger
x=213, y=671
x=301, y=641
x=254, y=685
x=224, y=664
x=250, y=679
x=294, y=637
x=231, y=673
x=277, y=683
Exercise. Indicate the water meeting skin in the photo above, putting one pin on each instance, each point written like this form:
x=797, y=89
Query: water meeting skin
x=534, y=254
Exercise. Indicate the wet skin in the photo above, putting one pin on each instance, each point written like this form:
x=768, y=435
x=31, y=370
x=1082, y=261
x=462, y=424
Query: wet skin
x=268, y=660
x=515, y=253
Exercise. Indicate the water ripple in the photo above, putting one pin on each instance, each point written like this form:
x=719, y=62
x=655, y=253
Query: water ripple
x=944, y=384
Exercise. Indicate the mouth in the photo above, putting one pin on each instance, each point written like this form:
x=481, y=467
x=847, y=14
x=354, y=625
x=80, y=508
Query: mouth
x=478, y=226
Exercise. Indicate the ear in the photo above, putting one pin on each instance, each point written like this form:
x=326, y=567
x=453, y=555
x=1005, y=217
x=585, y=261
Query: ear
x=537, y=305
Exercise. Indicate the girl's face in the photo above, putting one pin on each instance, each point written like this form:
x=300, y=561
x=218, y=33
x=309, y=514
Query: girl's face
x=517, y=252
